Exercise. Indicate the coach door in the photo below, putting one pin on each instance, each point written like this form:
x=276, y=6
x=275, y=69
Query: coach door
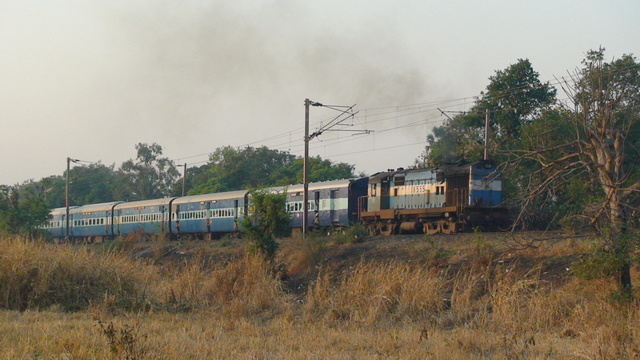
x=65, y=229
x=236, y=213
x=208, y=219
x=385, y=191
x=315, y=207
x=108, y=229
x=163, y=224
x=333, y=211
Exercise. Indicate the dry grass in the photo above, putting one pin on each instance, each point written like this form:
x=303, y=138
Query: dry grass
x=38, y=275
x=375, y=292
x=241, y=288
x=436, y=299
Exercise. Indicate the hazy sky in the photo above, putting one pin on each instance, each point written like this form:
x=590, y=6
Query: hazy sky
x=89, y=79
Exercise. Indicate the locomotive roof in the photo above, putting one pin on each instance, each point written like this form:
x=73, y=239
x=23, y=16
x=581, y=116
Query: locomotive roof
x=382, y=175
x=447, y=168
x=459, y=168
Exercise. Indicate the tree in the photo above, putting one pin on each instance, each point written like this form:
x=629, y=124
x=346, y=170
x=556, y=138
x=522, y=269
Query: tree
x=150, y=176
x=235, y=169
x=89, y=184
x=54, y=190
x=514, y=97
x=267, y=219
x=542, y=207
x=195, y=175
x=601, y=145
x=319, y=170
x=22, y=208
x=252, y=168
x=92, y=184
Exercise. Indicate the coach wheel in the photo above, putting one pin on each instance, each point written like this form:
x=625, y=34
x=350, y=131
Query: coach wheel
x=431, y=228
x=447, y=227
x=387, y=229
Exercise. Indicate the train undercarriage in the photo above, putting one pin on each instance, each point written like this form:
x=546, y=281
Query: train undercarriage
x=446, y=220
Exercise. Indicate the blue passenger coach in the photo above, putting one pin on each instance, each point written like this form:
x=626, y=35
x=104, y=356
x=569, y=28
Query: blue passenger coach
x=209, y=215
x=147, y=216
x=57, y=224
x=94, y=222
x=330, y=203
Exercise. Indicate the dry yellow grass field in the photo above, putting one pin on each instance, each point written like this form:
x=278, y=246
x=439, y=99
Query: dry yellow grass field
x=441, y=297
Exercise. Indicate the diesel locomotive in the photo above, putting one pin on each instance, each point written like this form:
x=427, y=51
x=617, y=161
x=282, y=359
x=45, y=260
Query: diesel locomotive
x=447, y=199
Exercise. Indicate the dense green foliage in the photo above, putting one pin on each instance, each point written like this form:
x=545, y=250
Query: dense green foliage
x=249, y=168
x=267, y=219
x=21, y=209
x=89, y=184
x=233, y=169
x=514, y=97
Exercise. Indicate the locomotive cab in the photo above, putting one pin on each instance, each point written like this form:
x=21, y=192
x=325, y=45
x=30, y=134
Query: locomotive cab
x=485, y=185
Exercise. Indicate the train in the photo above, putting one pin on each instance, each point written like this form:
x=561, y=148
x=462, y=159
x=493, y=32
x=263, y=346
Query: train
x=446, y=199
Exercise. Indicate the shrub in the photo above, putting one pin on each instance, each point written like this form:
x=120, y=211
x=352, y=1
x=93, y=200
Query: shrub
x=266, y=220
x=354, y=234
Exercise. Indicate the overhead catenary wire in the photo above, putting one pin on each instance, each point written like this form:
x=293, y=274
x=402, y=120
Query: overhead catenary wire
x=372, y=116
x=376, y=115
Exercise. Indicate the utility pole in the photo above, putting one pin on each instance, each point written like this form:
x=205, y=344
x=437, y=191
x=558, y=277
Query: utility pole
x=486, y=134
x=305, y=170
x=346, y=111
x=66, y=194
x=184, y=178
